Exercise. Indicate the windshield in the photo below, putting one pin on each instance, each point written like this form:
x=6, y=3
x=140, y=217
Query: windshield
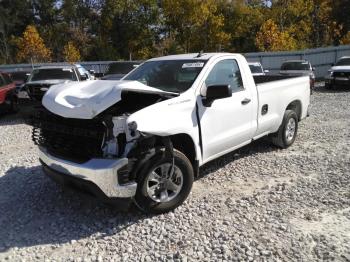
x=52, y=73
x=305, y=66
x=171, y=76
x=19, y=76
x=121, y=68
x=343, y=61
x=256, y=69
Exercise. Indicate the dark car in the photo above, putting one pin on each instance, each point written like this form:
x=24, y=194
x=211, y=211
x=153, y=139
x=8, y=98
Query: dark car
x=20, y=78
x=8, y=96
x=339, y=74
x=118, y=70
x=299, y=68
x=42, y=78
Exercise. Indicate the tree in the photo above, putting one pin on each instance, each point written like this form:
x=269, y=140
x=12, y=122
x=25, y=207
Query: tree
x=71, y=53
x=15, y=15
x=346, y=39
x=243, y=21
x=130, y=27
x=31, y=47
x=195, y=24
x=270, y=38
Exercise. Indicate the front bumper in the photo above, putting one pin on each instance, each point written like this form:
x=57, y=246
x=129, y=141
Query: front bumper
x=98, y=173
x=338, y=81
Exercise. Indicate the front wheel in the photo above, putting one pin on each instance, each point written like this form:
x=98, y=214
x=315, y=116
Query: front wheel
x=286, y=134
x=328, y=86
x=164, y=185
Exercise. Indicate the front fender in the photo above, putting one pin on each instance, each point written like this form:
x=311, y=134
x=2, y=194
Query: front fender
x=169, y=117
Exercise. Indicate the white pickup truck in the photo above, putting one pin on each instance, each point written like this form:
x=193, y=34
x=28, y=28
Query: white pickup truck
x=143, y=139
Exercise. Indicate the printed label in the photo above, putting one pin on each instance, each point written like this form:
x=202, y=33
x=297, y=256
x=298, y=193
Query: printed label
x=189, y=65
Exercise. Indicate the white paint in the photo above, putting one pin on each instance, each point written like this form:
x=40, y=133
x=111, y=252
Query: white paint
x=226, y=125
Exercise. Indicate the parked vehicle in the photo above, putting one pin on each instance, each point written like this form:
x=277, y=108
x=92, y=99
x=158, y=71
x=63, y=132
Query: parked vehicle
x=8, y=96
x=118, y=70
x=299, y=68
x=42, y=78
x=257, y=69
x=143, y=139
x=339, y=74
x=20, y=78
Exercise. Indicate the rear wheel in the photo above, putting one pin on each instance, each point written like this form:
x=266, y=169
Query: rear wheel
x=163, y=186
x=286, y=134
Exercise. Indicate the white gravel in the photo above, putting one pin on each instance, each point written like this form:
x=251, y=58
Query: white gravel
x=256, y=204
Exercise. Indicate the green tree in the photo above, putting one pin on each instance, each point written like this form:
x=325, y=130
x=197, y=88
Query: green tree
x=195, y=24
x=130, y=27
x=15, y=15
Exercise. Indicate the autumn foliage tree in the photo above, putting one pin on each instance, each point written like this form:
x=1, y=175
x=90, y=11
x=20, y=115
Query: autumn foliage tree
x=140, y=29
x=71, y=53
x=195, y=24
x=270, y=38
x=31, y=47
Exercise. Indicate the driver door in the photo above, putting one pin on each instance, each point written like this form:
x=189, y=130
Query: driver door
x=228, y=122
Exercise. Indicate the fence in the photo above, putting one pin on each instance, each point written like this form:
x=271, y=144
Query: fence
x=320, y=58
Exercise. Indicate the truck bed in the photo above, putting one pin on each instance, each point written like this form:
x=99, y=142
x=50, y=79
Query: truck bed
x=270, y=78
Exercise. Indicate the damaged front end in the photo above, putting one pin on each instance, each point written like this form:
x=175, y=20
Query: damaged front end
x=105, y=151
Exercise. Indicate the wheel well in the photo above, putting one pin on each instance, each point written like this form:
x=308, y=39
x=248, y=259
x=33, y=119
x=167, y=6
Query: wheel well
x=296, y=107
x=184, y=144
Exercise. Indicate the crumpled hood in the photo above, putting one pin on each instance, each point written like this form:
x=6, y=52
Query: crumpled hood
x=85, y=100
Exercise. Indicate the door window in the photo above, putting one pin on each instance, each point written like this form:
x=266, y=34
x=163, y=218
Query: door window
x=226, y=72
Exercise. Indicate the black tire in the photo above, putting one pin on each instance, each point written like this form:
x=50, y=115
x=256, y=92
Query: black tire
x=280, y=138
x=144, y=202
x=328, y=86
x=14, y=105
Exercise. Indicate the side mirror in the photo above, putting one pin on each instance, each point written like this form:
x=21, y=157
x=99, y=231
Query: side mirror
x=213, y=92
x=92, y=72
x=313, y=69
x=332, y=64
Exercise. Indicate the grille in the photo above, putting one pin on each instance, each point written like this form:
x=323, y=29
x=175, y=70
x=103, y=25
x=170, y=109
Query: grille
x=35, y=91
x=341, y=74
x=71, y=139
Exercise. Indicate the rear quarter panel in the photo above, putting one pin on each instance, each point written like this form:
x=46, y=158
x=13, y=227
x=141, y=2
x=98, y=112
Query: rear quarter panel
x=278, y=95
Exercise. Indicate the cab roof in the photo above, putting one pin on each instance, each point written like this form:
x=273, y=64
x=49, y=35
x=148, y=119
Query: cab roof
x=191, y=56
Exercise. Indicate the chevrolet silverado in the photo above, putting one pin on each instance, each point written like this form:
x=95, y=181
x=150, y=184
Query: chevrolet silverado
x=143, y=139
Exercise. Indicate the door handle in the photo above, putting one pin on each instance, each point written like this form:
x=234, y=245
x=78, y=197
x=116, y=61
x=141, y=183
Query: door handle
x=245, y=101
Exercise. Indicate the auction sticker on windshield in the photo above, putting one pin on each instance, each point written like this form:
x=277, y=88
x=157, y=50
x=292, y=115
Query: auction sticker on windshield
x=189, y=65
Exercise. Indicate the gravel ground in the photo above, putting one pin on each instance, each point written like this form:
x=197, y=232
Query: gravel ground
x=256, y=204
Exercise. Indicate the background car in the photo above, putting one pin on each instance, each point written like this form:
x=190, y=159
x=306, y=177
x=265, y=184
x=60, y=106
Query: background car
x=20, y=78
x=43, y=77
x=118, y=70
x=299, y=68
x=257, y=69
x=339, y=74
x=8, y=97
